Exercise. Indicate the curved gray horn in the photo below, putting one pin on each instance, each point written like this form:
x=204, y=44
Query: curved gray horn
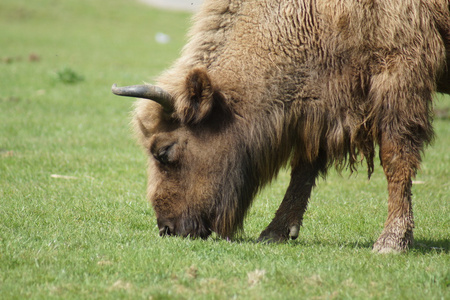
x=145, y=91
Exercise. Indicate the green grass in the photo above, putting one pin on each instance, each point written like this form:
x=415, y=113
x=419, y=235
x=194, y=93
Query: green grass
x=94, y=236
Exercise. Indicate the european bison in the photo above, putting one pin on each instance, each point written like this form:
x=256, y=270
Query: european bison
x=315, y=83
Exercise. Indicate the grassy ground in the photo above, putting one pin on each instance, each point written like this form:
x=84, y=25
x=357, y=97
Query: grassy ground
x=93, y=235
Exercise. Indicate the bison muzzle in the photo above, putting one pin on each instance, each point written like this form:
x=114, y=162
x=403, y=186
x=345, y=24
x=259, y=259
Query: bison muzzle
x=310, y=83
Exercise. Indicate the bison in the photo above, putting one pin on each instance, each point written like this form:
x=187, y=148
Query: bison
x=310, y=83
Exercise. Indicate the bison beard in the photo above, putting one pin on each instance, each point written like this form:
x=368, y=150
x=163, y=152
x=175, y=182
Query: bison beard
x=312, y=83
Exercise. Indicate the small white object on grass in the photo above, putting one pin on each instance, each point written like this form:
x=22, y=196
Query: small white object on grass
x=63, y=176
x=162, y=38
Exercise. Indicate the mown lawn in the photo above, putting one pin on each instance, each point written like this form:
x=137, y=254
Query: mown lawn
x=74, y=221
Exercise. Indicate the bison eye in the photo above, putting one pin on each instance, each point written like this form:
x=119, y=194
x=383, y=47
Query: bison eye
x=165, y=154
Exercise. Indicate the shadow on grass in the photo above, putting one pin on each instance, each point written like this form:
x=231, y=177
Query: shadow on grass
x=302, y=243
x=427, y=246
x=422, y=246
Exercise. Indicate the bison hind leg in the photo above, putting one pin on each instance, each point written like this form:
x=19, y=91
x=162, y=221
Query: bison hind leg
x=400, y=158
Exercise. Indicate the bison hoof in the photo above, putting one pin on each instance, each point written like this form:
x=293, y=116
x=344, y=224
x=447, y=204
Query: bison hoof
x=392, y=242
x=271, y=237
x=389, y=245
x=278, y=236
x=387, y=248
x=293, y=231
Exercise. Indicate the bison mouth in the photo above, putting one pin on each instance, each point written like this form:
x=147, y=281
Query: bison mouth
x=185, y=227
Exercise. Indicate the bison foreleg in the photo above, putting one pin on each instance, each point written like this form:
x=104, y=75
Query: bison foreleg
x=400, y=160
x=289, y=216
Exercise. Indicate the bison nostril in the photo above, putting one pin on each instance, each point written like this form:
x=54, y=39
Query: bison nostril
x=166, y=227
x=164, y=231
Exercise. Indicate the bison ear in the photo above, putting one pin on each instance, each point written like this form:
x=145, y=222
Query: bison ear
x=201, y=100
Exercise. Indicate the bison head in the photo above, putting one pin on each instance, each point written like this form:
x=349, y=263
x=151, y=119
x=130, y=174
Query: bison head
x=200, y=178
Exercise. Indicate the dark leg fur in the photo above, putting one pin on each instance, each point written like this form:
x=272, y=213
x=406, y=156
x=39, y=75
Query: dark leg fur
x=288, y=218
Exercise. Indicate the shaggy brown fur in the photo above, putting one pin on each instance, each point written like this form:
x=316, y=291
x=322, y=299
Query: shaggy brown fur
x=315, y=83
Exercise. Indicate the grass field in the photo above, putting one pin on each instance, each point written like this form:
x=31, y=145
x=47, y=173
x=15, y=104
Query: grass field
x=74, y=221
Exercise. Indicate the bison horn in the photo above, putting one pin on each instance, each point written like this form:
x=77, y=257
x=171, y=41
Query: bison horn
x=145, y=91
